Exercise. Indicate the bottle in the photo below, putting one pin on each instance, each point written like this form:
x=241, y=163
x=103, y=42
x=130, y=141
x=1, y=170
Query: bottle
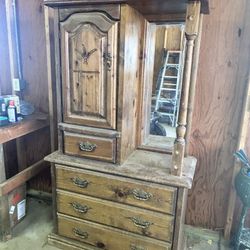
x=11, y=110
x=2, y=107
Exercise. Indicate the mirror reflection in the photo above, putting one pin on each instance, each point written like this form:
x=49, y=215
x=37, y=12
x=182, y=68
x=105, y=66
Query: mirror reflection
x=167, y=78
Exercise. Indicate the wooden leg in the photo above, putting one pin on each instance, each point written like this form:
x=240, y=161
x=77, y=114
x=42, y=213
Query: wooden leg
x=2, y=165
x=5, y=228
x=21, y=154
x=178, y=239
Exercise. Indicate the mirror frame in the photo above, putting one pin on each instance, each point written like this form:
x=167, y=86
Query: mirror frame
x=193, y=23
x=148, y=141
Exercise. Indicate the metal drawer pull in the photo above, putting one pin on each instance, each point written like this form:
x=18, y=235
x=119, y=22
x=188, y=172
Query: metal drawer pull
x=80, y=183
x=87, y=146
x=108, y=59
x=80, y=233
x=134, y=247
x=138, y=222
x=79, y=208
x=141, y=195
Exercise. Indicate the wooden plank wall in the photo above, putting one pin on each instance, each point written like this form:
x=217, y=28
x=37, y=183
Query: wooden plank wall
x=33, y=52
x=33, y=55
x=30, y=15
x=5, y=82
x=222, y=77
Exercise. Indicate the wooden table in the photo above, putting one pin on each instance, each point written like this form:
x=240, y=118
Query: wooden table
x=28, y=125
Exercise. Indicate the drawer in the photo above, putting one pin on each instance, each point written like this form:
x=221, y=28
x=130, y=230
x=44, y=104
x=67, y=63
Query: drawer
x=124, y=190
x=90, y=146
x=105, y=237
x=129, y=218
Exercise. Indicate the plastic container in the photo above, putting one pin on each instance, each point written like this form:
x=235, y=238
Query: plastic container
x=11, y=111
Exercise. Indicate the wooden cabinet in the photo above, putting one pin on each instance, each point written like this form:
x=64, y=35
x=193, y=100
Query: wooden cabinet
x=89, y=69
x=109, y=192
x=95, y=200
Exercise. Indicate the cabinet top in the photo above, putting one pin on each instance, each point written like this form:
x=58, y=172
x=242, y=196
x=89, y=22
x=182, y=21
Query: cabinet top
x=142, y=165
x=146, y=7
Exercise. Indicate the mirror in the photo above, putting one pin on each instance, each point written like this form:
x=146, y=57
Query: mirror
x=167, y=78
x=164, y=78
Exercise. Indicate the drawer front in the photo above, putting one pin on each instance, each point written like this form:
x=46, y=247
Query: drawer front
x=145, y=222
x=124, y=190
x=105, y=237
x=90, y=146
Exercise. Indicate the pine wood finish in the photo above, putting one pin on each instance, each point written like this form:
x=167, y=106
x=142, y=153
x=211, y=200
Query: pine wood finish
x=151, y=167
x=191, y=31
x=158, y=198
x=130, y=56
x=146, y=7
x=102, y=71
x=88, y=51
x=105, y=237
x=90, y=146
x=98, y=182
x=136, y=220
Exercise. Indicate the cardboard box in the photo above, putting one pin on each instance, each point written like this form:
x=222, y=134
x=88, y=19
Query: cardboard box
x=17, y=205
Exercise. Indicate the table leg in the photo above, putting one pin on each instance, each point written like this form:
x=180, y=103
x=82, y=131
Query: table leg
x=5, y=228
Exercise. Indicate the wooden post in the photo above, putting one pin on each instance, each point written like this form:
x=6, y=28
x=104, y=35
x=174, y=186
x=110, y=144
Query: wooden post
x=5, y=228
x=2, y=165
x=191, y=32
x=193, y=84
x=50, y=30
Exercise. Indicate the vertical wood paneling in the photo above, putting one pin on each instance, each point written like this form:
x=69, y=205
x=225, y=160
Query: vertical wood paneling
x=5, y=80
x=222, y=78
x=33, y=51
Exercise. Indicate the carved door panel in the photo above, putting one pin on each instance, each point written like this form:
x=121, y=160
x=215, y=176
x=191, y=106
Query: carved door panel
x=89, y=68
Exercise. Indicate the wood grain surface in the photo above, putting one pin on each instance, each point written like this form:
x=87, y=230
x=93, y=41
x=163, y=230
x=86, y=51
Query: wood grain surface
x=89, y=67
x=5, y=79
x=124, y=190
x=222, y=78
x=129, y=218
x=103, y=148
x=132, y=28
x=106, y=237
x=30, y=15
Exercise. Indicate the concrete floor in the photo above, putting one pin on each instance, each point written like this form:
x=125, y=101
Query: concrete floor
x=31, y=233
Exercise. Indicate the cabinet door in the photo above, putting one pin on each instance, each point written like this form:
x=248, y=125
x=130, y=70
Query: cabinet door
x=89, y=68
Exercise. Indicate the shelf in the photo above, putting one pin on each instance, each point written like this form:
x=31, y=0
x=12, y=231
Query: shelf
x=27, y=125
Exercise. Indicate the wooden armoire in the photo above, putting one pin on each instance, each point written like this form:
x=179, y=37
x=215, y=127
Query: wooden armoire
x=115, y=186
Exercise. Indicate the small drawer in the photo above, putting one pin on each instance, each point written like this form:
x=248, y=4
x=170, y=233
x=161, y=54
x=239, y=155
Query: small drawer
x=124, y=190
x=129, y=218
x=93, y=147
x=105, y=237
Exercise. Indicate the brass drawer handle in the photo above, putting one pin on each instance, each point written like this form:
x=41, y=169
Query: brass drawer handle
x=80, y=183
x=108, y=59
x=141, y=195
x=87, y=146
x=134, y=247
x=79, y=208
x=79, y=233
x=138, y=222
